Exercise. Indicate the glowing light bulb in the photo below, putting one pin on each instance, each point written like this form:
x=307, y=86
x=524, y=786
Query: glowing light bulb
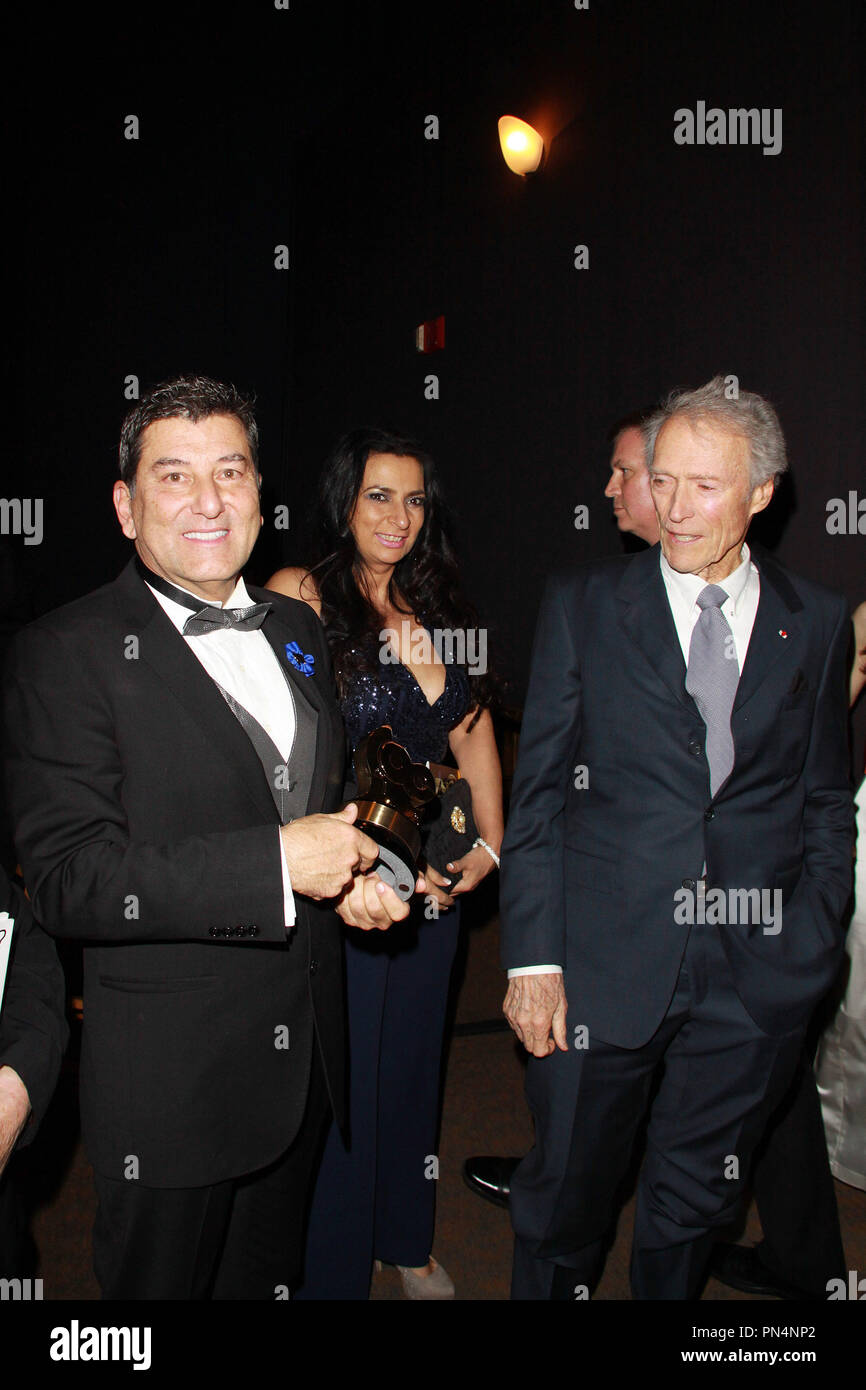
x=522, y=147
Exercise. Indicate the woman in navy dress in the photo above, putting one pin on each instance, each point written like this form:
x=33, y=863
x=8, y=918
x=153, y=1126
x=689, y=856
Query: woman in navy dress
x=386, y=585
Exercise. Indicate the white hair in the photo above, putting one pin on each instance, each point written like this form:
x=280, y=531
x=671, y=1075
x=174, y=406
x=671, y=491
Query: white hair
x=746, y=414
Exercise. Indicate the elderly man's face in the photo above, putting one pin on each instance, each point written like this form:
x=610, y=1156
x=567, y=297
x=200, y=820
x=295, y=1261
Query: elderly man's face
x=194, y=514
x=700, y=487
x=629, y=487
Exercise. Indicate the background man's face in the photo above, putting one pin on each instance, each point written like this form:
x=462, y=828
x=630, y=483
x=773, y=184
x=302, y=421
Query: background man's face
x=194, y=514
x=629, y=487
x=700, y=486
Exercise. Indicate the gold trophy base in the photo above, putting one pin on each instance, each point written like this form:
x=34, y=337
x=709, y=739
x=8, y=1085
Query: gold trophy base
x=394, y=824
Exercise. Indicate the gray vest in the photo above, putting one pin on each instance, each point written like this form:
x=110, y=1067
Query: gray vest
x=289, y=781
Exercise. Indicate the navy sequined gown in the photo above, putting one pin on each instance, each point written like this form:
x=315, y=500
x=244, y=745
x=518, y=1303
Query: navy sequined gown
x=391, y=695
x=376, y=1199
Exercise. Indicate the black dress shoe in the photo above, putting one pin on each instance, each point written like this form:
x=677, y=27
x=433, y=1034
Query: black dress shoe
x=741, y=1267
x=490, y=1177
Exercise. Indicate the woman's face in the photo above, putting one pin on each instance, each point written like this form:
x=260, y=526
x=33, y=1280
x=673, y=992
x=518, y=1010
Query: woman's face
x=389, y=511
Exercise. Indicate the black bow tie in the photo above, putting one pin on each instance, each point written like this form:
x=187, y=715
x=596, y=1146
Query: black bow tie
x=206, y=618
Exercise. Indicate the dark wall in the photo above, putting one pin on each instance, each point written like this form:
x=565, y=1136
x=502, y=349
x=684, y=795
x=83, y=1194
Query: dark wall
x=700, y=260
x=306, y=127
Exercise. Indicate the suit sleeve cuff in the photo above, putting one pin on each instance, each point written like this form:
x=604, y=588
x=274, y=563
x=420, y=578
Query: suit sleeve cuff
x=535, y=970
x=288, y=895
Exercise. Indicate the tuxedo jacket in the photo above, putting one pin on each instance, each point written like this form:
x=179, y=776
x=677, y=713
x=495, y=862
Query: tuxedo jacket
x=146, y=827
x=33, y=1029
x=611, y=812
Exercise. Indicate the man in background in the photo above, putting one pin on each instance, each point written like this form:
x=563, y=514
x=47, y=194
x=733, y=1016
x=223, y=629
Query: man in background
x=629, y=483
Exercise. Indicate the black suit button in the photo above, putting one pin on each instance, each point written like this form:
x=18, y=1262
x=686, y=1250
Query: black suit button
x=709, y=813
x=314, y=966
x=214, y=931
x=689, y=883
x=252, y=929
x=696, y=748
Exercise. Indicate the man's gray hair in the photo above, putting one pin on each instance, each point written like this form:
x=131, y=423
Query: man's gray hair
x=744, y=413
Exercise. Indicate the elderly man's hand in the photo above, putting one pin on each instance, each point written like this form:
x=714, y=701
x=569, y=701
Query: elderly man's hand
x=14, y=1110
x=535, y=1005
x=370, y=904
x=325, y=851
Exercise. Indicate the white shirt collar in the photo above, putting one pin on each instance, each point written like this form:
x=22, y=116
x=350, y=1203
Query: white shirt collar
x=688, y=586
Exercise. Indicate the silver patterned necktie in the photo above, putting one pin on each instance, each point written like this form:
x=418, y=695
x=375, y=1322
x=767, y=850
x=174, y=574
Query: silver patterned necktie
x=712, y=678
x=210, y=619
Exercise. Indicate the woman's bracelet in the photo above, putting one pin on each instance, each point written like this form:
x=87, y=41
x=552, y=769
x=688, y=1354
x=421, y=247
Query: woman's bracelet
x=484, y=845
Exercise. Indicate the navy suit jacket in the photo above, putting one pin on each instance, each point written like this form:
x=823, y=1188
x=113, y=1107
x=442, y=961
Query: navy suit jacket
x=146, y=827
x=591, y=873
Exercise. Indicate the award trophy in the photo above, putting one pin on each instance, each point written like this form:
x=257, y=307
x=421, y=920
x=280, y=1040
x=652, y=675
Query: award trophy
x=392, y=792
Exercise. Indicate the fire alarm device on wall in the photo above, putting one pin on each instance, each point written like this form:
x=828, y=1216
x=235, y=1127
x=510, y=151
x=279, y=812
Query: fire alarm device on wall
x=430, y=336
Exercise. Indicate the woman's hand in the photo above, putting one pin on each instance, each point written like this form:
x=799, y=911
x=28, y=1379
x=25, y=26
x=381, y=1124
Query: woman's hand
x=437, y=887
x=475, y=865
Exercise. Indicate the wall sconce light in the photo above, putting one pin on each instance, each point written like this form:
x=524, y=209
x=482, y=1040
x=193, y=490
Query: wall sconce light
x=522, y=147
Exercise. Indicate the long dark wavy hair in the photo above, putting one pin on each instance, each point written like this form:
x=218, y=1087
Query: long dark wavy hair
x=425, y=582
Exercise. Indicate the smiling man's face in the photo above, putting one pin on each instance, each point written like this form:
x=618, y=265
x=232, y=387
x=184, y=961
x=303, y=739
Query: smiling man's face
x=194, y=513
x=701, y=490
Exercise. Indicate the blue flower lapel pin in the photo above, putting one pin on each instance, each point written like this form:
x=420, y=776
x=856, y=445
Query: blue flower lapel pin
x=304, y=662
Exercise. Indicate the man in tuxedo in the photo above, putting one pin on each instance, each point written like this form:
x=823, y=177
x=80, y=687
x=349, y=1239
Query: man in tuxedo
x=677, y=860
x=175, y=768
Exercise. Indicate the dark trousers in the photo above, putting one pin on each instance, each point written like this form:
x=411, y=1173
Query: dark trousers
x=240, y=1239
x=721, y=1079
x=376, y=1198
x=793, y=1189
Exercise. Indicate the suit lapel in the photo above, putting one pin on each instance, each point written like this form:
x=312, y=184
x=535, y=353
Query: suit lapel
x=779, y=612
x=164, y=650
x=279, y=632
x=646, y=616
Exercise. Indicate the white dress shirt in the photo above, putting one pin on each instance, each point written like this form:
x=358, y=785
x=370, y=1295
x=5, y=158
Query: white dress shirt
x=743, y=588
x=245, y=664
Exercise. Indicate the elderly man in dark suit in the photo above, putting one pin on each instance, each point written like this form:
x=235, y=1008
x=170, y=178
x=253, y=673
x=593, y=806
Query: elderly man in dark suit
x=677, y=860
x=175, y=770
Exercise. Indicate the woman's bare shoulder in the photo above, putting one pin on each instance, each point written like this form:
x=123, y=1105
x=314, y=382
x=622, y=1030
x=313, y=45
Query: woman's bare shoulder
x=295, y=582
